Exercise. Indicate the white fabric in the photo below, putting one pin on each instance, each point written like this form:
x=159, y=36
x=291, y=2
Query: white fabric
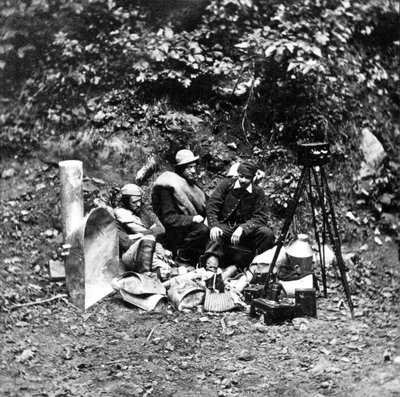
x=233, y=170
x=291, y=286
x=124, y=215
x=266, y=257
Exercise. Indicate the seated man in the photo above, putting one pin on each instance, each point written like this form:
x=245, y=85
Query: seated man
x=136, y=225
x=180, y=205
x=237, y=213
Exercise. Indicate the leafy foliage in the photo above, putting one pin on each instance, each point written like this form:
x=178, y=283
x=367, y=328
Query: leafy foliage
x=269, y=72
x=299, y=69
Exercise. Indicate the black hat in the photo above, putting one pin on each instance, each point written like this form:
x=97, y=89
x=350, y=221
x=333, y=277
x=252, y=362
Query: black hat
x=247, y=168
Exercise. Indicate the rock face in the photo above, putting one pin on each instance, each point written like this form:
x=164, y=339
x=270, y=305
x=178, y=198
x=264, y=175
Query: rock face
x=117, y=156
x=373, y=151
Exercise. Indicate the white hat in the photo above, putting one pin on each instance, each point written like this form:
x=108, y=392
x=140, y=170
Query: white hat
x=185, y=156
x=132, y=190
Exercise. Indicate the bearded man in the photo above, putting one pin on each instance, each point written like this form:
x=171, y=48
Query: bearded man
x=139, y=230
x=180, y=204
x=237, y=213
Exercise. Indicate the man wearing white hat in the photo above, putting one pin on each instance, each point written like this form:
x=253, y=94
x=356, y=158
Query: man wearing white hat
x=180, y=205
x=139, y=227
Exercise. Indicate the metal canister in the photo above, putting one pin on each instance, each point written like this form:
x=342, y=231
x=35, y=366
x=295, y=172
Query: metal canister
x=229, y=272
x=301, y=254
x=274, y=292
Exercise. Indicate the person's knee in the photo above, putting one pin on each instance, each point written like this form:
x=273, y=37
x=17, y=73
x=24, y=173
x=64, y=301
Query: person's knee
x=267, y=235
x=266, y=231
x=202, y=229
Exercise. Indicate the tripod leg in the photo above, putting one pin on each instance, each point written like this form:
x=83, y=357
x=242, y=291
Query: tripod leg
x=286, y=225
x=324, y=226
x=321, y=254
x=334, y=237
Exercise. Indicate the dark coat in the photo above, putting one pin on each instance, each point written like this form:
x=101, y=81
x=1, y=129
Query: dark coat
x=167, y=209
x=241, y=208
x=178, y=226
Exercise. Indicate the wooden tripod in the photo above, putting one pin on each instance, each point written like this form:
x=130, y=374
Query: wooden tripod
x=317, y=173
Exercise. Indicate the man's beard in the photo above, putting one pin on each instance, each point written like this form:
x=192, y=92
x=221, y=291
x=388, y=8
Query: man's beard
x=135, y=211
x=244, y=185
x=191, y=180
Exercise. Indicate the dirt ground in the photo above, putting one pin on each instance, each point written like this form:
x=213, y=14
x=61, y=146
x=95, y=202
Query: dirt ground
x=113, y=349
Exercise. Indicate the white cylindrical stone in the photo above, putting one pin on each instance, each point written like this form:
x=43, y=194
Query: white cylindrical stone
x=71, y=179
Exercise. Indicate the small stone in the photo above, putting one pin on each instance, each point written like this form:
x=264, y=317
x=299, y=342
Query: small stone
x=303, y=327
x=226, y=382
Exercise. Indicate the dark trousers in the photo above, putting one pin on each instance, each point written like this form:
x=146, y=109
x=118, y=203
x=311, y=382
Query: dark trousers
x=190, y=241
x=260, y=239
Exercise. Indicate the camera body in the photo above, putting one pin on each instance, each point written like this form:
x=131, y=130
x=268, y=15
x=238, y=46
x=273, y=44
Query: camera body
x=252, y=292
x=313, y=154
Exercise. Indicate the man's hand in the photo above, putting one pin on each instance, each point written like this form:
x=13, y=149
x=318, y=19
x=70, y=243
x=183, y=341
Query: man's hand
x=215, y=232
x=236, y=235
x=198, y=219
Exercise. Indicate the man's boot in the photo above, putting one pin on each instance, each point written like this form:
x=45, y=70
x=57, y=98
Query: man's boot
x=182, y=261
x=144, y=258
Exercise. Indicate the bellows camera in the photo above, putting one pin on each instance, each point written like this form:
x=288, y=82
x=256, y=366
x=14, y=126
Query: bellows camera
x=313, y=154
